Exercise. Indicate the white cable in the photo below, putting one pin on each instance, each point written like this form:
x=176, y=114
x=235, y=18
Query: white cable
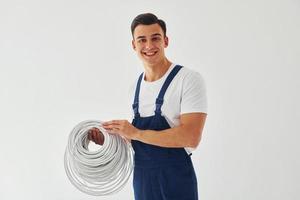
x=102, y=172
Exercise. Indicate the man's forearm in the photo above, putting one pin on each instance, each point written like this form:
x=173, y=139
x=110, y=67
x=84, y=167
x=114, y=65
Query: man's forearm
x=180, y=136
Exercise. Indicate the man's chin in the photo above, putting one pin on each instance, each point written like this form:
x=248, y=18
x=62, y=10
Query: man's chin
x=147, y=62
x=151, y=61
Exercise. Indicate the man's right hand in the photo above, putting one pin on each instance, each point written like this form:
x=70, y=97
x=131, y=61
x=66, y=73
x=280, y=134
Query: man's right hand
x=95, y=135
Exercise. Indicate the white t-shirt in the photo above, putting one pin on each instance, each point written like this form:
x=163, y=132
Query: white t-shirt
x=185, y=94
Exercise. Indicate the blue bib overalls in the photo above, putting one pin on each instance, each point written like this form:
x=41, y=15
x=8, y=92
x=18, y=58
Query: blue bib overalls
x=160, y=173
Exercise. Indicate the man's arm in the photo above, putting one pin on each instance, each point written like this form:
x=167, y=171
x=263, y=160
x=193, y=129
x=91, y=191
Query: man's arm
x=187, y=134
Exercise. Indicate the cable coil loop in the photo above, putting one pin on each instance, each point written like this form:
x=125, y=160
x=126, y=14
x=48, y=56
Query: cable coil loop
x=102, y=172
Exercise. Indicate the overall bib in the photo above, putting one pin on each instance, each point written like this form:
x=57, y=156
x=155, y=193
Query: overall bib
x=160, y=173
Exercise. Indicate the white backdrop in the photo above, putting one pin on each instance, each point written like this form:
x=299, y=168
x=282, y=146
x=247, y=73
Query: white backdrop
x=65, y=61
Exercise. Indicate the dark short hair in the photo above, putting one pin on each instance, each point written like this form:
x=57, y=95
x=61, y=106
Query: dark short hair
x=147, y=19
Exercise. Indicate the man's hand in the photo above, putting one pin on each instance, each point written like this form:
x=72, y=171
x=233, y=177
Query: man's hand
x=96, y=136
x=121, y=127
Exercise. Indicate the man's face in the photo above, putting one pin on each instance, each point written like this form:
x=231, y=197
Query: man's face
x=149, y=43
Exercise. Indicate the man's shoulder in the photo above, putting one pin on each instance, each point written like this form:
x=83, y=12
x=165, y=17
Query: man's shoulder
x=189, y=74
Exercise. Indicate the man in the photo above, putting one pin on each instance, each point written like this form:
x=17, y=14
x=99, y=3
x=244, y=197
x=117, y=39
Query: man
x=169, y=114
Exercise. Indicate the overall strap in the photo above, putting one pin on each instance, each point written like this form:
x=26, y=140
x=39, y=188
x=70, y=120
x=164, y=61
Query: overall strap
x=160, y=99
x=135, y=104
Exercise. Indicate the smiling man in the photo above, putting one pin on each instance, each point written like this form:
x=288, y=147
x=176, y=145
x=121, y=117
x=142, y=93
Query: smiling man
x=169, y=107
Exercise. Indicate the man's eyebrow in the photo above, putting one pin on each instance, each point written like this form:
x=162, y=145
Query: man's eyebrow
x=139, y=37
x=155, y=34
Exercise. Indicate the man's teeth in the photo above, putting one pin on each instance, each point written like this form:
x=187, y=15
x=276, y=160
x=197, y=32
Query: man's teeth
x=150, y=54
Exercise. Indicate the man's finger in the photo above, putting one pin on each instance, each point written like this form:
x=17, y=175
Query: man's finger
x=96, y=137
x=90, y=135
x=112, y=126
x=109, y=126
x=112, y=122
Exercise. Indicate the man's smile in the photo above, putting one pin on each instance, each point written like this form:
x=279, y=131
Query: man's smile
x=149, y=54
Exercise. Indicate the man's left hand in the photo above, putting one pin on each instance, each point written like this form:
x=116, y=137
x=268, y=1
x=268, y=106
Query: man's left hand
x=121, y=127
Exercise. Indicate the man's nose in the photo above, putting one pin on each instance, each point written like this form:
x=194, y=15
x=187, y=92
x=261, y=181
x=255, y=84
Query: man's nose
x=149, y=44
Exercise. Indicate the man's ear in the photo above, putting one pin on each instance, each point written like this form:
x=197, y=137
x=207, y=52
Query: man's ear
x=166, y=40
x=133, y=45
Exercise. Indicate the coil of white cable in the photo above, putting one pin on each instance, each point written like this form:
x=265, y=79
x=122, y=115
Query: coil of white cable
x=102, y=172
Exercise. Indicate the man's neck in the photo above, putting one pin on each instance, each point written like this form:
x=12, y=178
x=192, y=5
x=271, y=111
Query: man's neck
x=155, y=72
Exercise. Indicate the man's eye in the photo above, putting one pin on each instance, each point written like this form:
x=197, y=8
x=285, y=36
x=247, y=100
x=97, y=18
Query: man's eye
x=155, y=39
x=142, y=40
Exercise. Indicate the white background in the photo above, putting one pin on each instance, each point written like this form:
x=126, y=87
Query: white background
x=65, y=61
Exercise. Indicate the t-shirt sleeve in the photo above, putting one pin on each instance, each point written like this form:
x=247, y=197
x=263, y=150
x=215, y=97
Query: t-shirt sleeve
x=193, y=97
